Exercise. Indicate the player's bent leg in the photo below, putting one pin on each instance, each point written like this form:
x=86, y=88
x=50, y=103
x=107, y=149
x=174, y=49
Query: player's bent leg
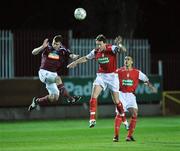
x=117, y=124
x=125, y=122
x=65, y=93
x=58, y=80
x=133, y=112
x=34, y=105
x=120, y=109
x=53, y=97
x=118, y=103
x=36, y=102
x=93, y=104
x=93, y=107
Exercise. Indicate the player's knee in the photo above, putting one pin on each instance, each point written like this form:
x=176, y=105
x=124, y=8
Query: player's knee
x=118, y=116
x=53, y=97
x=134, y=114
x=56, y=98
x=58, y=80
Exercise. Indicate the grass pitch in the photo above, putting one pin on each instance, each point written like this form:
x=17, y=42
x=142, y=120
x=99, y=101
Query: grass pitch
x=152, y=134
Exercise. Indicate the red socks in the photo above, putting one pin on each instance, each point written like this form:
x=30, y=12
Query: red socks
x=132, y=126
x=117, y=124
x=93, y=106
x=124, y=118
x=120, y=108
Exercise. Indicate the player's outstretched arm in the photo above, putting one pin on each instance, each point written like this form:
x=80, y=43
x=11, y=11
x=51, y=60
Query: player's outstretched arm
x=74, y=56
x=153, y=89
x=118, y=42
x=78, y=61
x=39, y=49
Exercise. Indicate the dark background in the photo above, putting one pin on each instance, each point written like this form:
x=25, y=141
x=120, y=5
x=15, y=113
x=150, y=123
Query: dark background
x=155, y=20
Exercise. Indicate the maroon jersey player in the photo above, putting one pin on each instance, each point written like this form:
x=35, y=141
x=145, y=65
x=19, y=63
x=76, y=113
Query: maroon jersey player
x=52, y=60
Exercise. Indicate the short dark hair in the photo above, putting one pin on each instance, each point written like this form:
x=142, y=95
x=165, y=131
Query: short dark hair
x=129, y=56
x=58, y=38
x=101, y=37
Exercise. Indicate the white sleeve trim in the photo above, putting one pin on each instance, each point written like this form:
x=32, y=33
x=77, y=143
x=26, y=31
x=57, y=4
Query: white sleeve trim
x=143, y=77
x=114, y=47
x=91, y=55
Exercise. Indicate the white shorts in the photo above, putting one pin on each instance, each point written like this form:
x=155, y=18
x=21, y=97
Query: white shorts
x=107, y=80
x=48, y=78
x=128, y=100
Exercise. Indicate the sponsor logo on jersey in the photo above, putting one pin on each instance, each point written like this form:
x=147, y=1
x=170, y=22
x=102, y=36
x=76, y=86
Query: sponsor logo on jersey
x=127, y=82
x=53, y=56
x=103, y=60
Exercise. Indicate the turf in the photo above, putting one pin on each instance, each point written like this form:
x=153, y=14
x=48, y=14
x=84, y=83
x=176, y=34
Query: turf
x=152, y=134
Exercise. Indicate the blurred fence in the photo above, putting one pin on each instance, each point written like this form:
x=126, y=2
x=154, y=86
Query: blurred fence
x=6, y=54
x=171, y=70
x=139, y=49
x=17, y=60
x=26, y=64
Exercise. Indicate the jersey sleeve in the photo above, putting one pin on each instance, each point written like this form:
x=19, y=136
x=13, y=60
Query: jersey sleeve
x=45, y=51
x=91, y=55
x=68, y=52
x=114, y=49
x=143, y=77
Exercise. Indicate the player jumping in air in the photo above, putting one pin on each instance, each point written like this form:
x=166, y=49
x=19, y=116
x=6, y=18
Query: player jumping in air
x=52, y=60
x=105, y=54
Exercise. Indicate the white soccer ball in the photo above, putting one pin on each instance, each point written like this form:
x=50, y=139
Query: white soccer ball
x=80, y=13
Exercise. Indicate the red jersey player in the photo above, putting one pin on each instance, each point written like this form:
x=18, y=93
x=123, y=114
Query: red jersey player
x=52, y=60
x=129, y=78
x=105, y=55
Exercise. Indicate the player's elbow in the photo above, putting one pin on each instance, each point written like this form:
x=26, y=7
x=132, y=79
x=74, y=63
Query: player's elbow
x=34, y=52
x=84, y=59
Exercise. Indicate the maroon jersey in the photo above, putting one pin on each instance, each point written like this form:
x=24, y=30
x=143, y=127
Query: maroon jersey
x=52, y=60
x=106, y=59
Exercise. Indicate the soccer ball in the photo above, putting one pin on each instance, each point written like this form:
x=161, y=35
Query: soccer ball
x=80, y=13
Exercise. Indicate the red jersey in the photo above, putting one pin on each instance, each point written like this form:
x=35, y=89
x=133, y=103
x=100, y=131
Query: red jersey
x=129, y=79
x=52, y=60
x=106, y=59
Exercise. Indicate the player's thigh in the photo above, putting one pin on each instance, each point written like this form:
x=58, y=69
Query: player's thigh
x=47, y=76
x=112, y=82
x=133, y=111
x=58, y=80
x=131, y=104
x=52, y=89
x=115, y=97
x=122, y=98
x=96, y=91
x=100, y=81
